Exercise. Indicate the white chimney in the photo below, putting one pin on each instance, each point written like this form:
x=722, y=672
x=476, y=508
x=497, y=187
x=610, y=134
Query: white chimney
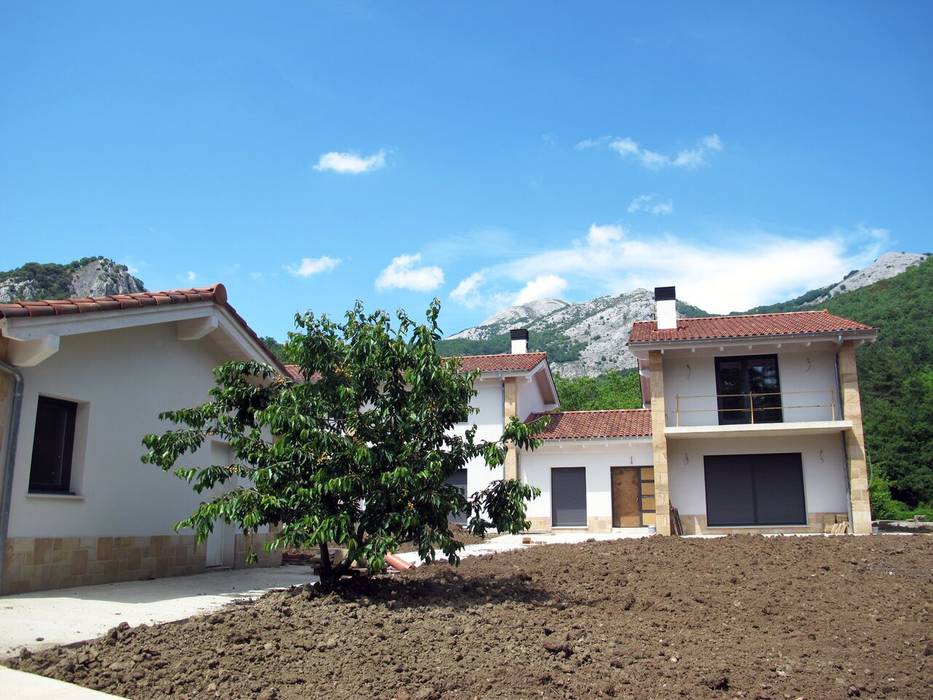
x=665, y=301
x=519, y=340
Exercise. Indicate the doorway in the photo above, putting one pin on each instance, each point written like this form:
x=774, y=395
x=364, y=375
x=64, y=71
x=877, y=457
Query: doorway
x=632, y=494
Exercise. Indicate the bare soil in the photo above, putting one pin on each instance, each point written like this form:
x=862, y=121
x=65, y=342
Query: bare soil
x=743, y=617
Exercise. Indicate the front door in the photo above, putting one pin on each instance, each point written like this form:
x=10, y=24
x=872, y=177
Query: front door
x=626, y=497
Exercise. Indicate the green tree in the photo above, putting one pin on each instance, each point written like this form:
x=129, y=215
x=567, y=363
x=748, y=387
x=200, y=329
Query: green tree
x=359, y=457
x=609, y=390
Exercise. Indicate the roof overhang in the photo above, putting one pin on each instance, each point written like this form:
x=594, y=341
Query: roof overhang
x=33, y=339
x=641, y=349
x=540, y=374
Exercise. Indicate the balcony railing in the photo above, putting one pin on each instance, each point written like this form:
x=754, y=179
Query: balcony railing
x=755, y=407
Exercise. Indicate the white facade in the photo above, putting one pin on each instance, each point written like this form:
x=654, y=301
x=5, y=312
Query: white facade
x=115, y=494
x=808, y=377
x=823, y=458
x=597, y=456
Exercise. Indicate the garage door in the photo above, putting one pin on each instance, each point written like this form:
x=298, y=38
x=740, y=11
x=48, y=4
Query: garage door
x=568, y=496
x=755, y=490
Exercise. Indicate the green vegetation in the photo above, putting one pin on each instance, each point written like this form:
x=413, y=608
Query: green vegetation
x=275, y=347
x=686, y=309
x=794, y=304
x=609, y=390
x=361, y=458
x=53, y=280
x=896, y=377
x=558, y=347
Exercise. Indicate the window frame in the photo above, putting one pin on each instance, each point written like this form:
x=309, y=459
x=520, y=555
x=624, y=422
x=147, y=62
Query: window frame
x=747, y=412
x=64, y=485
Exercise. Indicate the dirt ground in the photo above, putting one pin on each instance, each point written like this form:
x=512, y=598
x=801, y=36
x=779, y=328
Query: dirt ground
x=743, y=617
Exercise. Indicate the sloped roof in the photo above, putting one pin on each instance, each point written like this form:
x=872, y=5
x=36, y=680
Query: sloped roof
x=215, y=293
x=503, y=362
x=748, y=326
x=589, y=425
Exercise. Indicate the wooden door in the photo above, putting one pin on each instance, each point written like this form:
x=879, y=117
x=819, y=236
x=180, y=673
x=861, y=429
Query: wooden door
x=626, y=497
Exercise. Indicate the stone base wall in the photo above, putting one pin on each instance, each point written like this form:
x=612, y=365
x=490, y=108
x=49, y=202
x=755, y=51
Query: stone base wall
x=596, y=523
x=44, y=563
x=599, y=524
x=816, y=523
x=244, y=543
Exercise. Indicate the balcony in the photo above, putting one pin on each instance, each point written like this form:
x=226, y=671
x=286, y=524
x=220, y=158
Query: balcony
x=811, y=411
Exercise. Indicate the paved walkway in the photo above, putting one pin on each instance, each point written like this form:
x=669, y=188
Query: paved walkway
x=28, y=686
x=508, y=543
x=68, y=615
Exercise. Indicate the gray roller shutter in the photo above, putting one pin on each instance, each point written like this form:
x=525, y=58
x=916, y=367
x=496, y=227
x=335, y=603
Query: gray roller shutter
x=568, y=496
x=764, y=489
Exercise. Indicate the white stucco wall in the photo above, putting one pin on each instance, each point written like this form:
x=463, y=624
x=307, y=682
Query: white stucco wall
x=121, y=379
x=488, y=420
x=807, y=376
x=597, y=457
x=824, y=475
x=529, y=397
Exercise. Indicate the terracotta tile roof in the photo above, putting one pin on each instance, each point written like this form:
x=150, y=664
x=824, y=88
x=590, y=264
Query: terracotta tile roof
x=504, y=362
x=588, y=425
x=748, y=326
x=294, y=371
x=82, y=305
x=216, y=293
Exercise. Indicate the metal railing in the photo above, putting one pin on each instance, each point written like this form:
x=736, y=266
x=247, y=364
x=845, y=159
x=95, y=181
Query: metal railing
x=764, y=406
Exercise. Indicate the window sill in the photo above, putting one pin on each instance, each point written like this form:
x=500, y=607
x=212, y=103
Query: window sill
x=39, y=496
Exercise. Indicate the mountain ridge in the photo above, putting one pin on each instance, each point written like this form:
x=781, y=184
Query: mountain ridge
x=92, y=276
x=586, y=339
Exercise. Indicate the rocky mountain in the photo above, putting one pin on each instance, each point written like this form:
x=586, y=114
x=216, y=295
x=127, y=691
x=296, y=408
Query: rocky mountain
x=94, y=276
x=589, y=338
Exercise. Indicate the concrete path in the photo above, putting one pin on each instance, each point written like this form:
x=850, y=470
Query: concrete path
x=508, y=543
x=28, y=686
x=68, y=615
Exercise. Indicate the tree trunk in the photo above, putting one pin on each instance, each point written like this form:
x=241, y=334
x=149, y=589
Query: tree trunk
x=326, y=571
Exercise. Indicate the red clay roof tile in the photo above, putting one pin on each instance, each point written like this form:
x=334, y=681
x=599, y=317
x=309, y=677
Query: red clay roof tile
x=216, y=293
x=503, y=362
x=748, y=326
x=591, y=425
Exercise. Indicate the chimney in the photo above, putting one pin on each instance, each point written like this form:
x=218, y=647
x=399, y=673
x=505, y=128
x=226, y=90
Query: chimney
x=665, y=302
x=519, y=340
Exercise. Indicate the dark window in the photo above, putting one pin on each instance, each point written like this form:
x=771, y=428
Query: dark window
x=754, y=490
x=459, y=481
x=52, y=446
x=749, y=389
x=568, y=496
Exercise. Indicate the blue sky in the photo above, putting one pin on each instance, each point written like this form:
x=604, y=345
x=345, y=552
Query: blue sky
x=309, y=155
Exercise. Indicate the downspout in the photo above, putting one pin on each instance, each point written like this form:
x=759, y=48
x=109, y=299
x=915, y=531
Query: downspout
x=9, y=459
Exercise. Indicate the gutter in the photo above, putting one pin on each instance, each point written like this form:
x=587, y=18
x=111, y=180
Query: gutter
x=9, y=459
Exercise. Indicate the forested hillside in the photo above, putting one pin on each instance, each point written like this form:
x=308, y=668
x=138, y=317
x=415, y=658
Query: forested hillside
x=896, y=375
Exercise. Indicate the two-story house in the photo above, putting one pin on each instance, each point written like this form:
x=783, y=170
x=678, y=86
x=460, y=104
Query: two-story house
x=751, y=423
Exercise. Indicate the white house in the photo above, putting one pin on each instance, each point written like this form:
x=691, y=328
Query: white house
x=81, y=382
x=751, y=423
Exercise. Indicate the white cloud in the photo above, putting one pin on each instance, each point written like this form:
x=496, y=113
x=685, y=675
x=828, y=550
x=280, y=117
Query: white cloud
x=601, y=235
x=191, y=276
x=402, y=273
x=628, y=148
x=467, y=290
x=739, y=270
x=649, y=204
x=350, y=163
x=312, y=266
x=541, y=287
